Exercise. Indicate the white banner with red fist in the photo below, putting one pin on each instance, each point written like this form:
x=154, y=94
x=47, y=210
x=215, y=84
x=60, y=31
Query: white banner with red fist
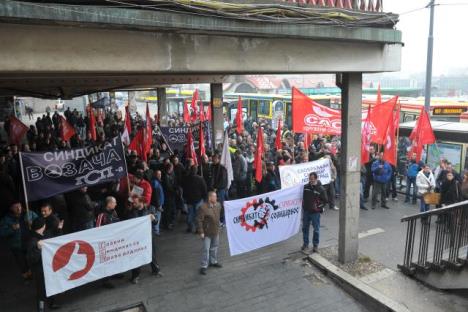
x=82, y=257
x=262, y=220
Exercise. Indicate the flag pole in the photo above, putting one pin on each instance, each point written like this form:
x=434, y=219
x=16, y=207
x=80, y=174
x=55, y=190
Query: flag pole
x=125, y=161
x=25, y=191
x=397, y=133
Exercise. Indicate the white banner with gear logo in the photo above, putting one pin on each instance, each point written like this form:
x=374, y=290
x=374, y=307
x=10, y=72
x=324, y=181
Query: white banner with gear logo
x=262, y=220
x=292, y=175
x=79, y=258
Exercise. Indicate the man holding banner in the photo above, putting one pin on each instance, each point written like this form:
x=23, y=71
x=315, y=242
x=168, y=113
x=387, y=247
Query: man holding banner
x=314, y=200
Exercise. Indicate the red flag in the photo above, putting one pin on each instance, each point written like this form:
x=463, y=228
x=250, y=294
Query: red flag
x=382, y=115
x=138, y=144
x=209, y=113
x=195, y=97
x=202, y=142
x=186, y=113
x=190, y=149
x=17, y=130
x=202, y=112
x=278, y=144
x=66, y=130
x=258, y=156
x=149, y=131
x=309, y=116
x=127, y=128
x=422, y=134
x=239, y=119
x=92, y=123
x=306, y=141
x=390, y=144
x=366, y=136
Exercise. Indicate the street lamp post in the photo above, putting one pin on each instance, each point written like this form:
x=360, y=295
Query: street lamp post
x=430, y=51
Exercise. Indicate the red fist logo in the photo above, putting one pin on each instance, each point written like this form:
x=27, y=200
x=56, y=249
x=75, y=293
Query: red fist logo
x=64, y=253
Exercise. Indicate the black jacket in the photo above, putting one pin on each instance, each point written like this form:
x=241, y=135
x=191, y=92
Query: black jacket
x=33, y=254
x=81, y=207
x=450, y=192
x=52, y=223
x=219, y=176
x=194, y=189
x=315, y=198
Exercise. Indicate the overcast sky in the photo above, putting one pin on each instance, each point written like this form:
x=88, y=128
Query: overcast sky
x=450, y=35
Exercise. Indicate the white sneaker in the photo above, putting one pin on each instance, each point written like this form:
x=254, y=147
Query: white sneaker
x=335, y=208
x=395, y=199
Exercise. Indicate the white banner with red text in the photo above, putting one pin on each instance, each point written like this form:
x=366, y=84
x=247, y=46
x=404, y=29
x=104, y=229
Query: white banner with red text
x=79, y=258
x=262, y=220
x=292, y=175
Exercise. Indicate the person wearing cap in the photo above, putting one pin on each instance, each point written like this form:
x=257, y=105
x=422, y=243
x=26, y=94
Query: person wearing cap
x=34, y=247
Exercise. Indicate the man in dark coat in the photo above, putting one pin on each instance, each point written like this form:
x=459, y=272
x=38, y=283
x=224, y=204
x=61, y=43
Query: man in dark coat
x=82, y=209
x=314, y=200
x=195, y=192
x=53, y=224
x=34, y=246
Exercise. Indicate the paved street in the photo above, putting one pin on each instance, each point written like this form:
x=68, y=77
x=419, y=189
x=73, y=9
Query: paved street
x=274, y=278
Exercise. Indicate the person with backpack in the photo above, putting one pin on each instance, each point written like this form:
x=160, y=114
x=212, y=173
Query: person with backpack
x=413, y=169
x=314, y=200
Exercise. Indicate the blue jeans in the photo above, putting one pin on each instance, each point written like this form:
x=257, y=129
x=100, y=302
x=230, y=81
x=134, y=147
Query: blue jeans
x=314, y=218
x=423, y=207
x=192, y=214
x=210, y=251
x=158, y=217
x=410, y=181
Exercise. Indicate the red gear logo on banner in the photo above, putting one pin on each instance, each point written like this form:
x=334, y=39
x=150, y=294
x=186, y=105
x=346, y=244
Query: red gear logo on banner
x=255, y=214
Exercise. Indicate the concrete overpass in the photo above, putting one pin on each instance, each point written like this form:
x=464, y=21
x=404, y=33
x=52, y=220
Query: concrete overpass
x=54, y=50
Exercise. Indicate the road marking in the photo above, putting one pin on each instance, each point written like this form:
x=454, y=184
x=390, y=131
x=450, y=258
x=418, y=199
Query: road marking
x=371, y=232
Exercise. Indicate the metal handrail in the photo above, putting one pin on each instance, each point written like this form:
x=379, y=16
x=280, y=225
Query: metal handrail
x=427, y=249
x=433, y=212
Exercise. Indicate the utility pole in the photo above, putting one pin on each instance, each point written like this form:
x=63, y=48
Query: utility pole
x=430, y=52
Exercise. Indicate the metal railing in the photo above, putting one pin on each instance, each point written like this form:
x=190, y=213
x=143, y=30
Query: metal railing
x=435, y=238
x=360, y=5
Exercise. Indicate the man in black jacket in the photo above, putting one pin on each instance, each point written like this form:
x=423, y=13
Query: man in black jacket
x=34, y=258
x=82, y=209
x=170, y=187
x=195, y=192
x=54, y=225
x=220, y=179
x=314, y=200
x=139, y=209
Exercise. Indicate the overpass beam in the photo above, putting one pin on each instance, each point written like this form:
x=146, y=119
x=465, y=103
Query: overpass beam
x=351, y=95
x=216, y=91
x=162, y=106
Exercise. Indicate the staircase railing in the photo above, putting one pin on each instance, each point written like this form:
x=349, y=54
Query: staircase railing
x=435, y=238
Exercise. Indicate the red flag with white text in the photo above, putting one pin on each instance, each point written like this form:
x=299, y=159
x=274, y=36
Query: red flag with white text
x=309, y=116
x=390, y=149
x=366, y=133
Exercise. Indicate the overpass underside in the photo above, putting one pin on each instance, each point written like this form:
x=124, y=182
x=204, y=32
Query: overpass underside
x=53, y=50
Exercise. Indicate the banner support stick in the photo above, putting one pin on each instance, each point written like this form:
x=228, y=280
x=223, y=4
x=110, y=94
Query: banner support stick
x=25, y=191
x=126, y=168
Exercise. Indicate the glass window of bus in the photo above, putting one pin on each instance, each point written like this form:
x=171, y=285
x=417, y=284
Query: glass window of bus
x=451, y=152
x=253, y=109
x=324, y=101
x=408, y=117
x=288, y=114
x=264, y=108
x=466, y=160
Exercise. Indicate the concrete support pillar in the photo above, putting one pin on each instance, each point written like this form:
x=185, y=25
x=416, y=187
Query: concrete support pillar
x=162, y=106
x=351, y=106
x=216, y=91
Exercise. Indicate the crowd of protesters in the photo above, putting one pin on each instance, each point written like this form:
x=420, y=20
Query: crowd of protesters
x=172, y=187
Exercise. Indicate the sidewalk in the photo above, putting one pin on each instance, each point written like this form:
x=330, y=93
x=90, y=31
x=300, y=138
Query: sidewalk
x=275, y=278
